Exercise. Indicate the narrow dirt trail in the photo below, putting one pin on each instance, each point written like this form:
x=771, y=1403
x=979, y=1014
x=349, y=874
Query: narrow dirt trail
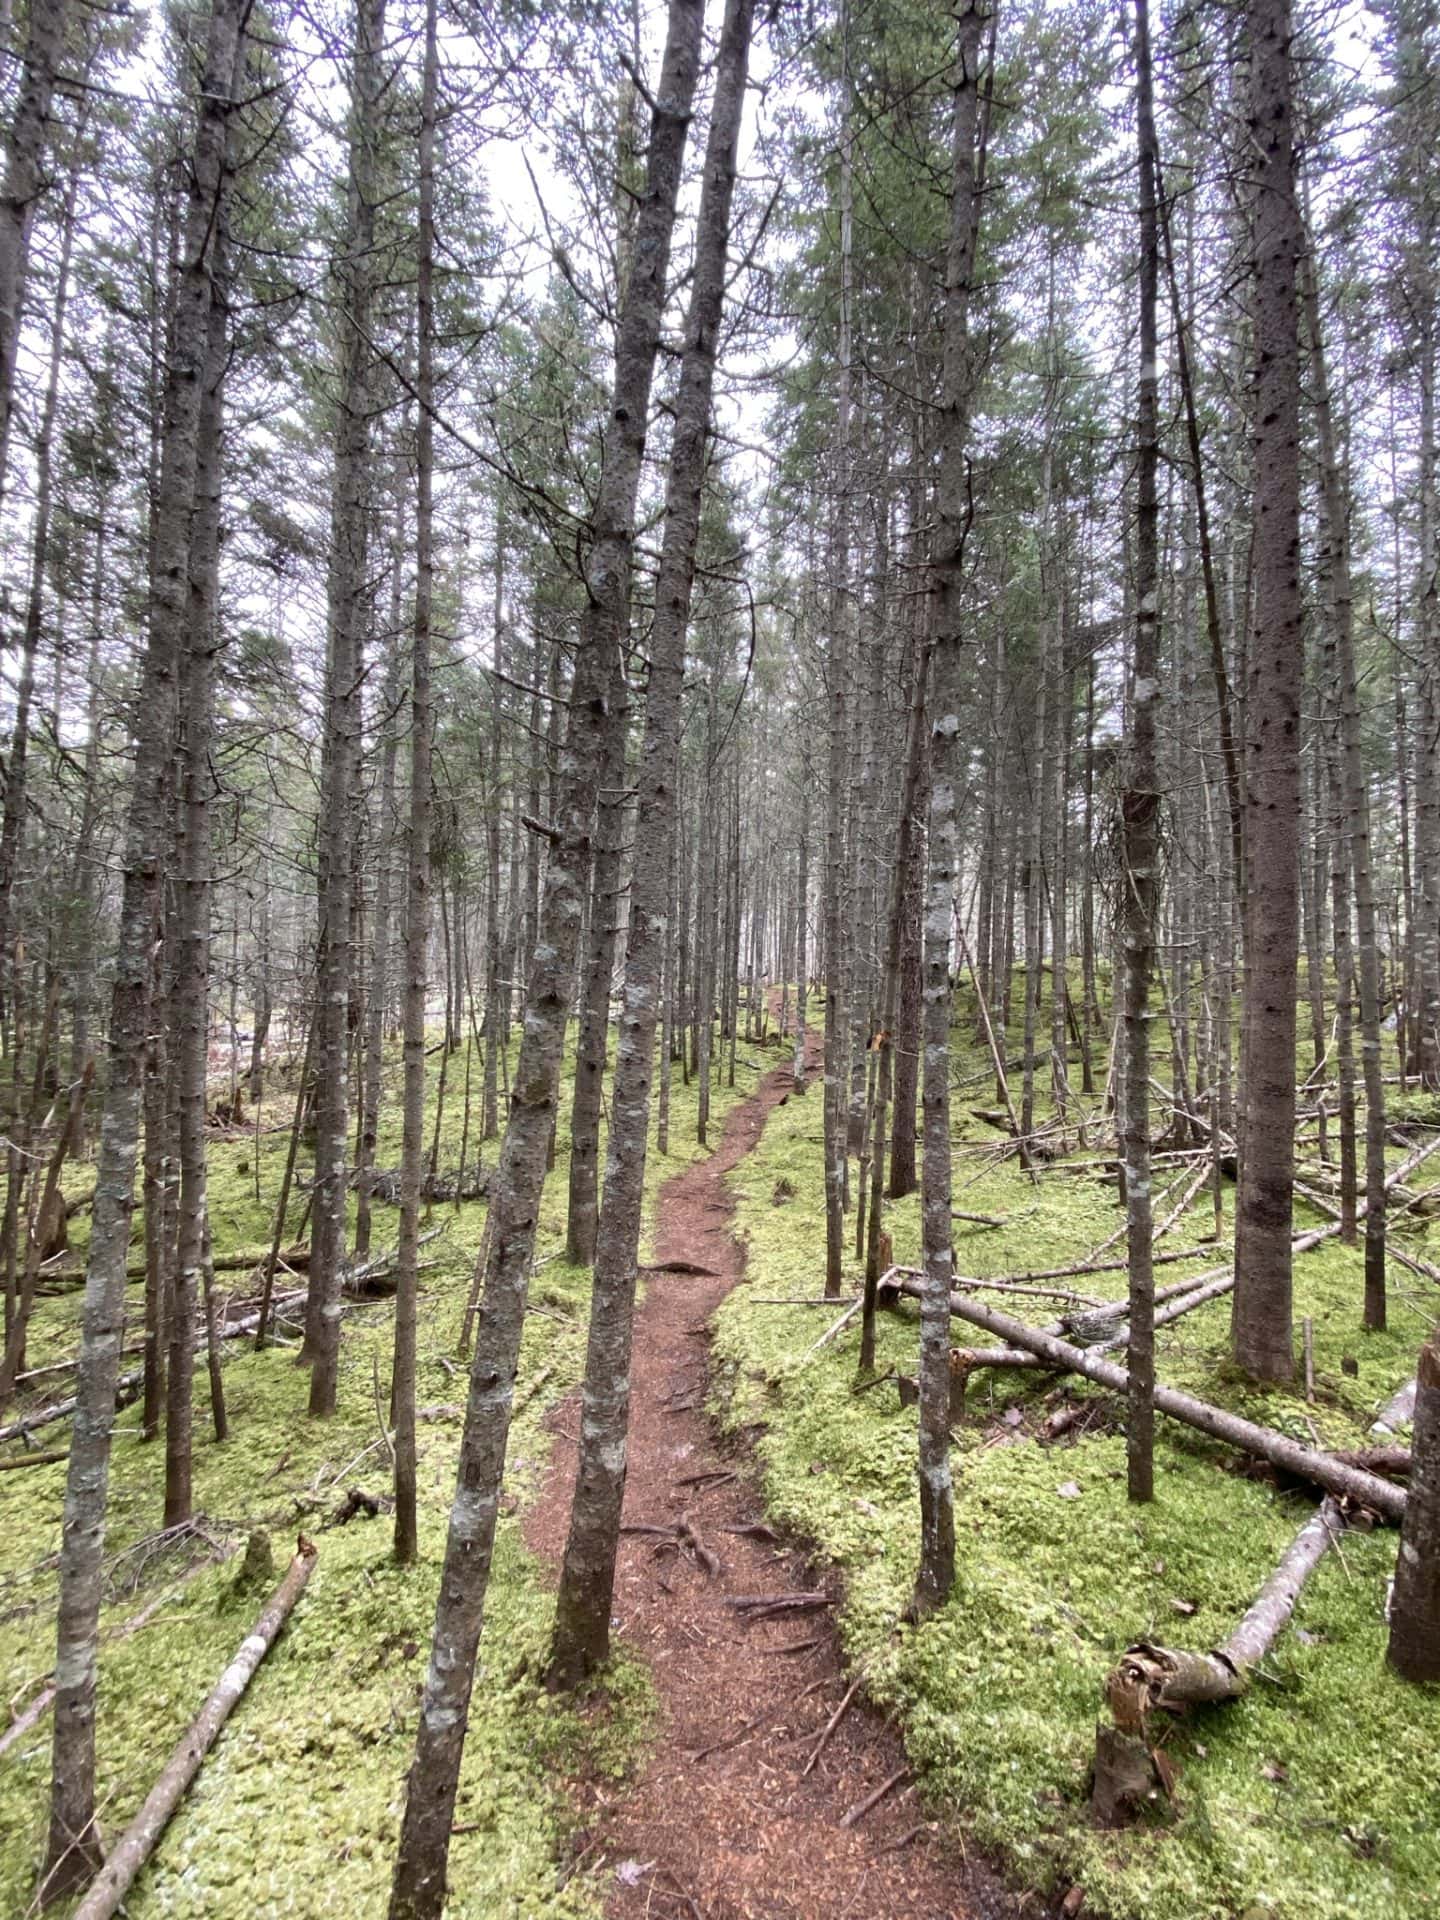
x=723, y=1823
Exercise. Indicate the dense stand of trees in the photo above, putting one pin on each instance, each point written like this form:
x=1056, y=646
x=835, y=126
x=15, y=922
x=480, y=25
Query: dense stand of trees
x=956, y=510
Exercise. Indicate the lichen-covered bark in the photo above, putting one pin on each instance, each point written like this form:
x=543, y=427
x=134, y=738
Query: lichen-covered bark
x=73, y=1846
x=417, y=856
x=948, y=751
x=1261, y=1324
x=418, y=1888
x=1414, y=1649
x=1140, y=808
x=587, y=1578
x=343, y=664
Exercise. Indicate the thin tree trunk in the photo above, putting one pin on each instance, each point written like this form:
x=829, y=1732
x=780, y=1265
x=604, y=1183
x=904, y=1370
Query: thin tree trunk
x=1414, y=1645
x=1340, y=593
x=587, y=1576
x=1261, y=1323
x=418, y=1888
x=12, y=828
x=345, y=591
x=191, y=989
x=948, y=751
x=73, y=1844
x=417, y=859
x=1140, y=807
x=24, y=179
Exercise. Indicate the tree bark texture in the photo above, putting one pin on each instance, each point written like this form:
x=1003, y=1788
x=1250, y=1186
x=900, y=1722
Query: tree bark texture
x=418, y=1888
x=73, y=1846
x=1261, y=1325
x=587, y=1577
x=1414, y=1646
x=357, y=273
x=1140, y=808
x=948, y=755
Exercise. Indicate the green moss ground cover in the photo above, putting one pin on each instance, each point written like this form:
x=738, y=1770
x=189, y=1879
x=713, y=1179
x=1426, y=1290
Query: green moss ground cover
x=296, y=1811
x=1317, y=1795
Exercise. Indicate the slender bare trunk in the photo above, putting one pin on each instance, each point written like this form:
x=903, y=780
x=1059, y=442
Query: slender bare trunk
x=1140, y=808
x=418, y=1889
x=948, y=751
x=357, y=273
x=587, y=1577
x=1261, y=1323
x=73, y=1846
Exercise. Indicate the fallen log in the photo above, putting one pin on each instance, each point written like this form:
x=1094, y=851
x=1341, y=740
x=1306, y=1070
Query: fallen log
x=34, y=1460
x=127, y=1386
x=63, y=1279
x=138, y=1842
x=1151, y=1676
x=1305, y=1463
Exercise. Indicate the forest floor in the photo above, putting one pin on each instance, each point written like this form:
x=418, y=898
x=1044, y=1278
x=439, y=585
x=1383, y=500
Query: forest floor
x=732, y=1815
x=679, y=1787
x=296, y=1811
x=1314, y=1797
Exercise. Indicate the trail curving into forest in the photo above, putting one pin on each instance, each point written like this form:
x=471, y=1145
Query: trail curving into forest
x=724, y=1822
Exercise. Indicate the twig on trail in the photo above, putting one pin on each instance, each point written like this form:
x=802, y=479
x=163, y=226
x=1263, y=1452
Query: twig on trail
x=716, y=1477
x=761, y=1606
x=858, y=1813
x=679, y=1266
x=681, y=1894
x=832, y=1723
x=730, y=1740
x=910, y=1833
x=689, y=1535
x=793, y=1646
x=757, y=1530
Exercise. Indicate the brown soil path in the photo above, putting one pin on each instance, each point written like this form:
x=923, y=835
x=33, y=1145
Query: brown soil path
x=723, y=1823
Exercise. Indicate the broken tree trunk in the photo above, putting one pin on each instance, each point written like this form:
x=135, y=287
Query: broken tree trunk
x=139, y=1839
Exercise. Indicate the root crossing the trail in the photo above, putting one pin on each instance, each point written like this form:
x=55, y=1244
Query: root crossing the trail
x=742, y=1807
